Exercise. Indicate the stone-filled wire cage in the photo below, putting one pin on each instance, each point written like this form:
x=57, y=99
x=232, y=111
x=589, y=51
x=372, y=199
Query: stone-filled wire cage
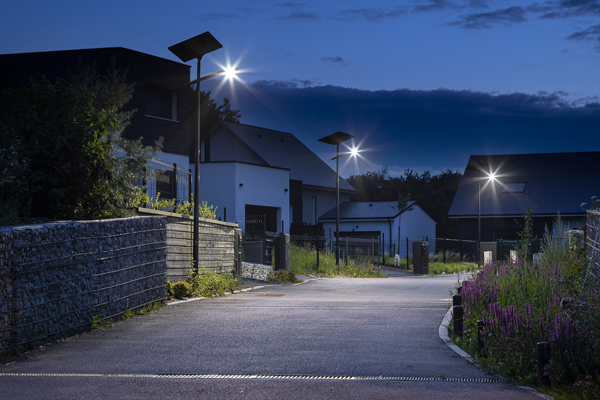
x=593, y=247
x=57, y=278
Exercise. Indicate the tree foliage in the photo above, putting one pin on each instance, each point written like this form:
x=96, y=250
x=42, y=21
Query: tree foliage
x=62, y=151
x=434, y=193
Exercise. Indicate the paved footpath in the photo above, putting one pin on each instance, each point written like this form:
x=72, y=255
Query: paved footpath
x=324, y=339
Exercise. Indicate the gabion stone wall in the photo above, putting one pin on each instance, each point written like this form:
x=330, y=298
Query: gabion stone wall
x=56, y=278
x=257, y=272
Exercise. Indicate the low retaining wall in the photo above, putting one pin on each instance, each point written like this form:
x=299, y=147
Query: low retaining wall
x=56, y=277
x=257, y=272
x=216, y=244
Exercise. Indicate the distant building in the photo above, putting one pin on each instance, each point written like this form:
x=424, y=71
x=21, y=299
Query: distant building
x=549, y=183
x=380, y=219
x=255, y=171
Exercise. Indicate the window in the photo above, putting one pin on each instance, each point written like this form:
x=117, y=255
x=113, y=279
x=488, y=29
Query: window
x=514, y=187
x=164, y=184
x=161, y=102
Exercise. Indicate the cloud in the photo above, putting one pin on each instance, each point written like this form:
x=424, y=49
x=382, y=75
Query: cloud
x=303, y=16
x=371, y=14
x=291, y=4
x=507, y=16
x=215, y=16
x=591, y=34
x=335, y=60
x=439, y=128
x=435, y=5
x=567, y=8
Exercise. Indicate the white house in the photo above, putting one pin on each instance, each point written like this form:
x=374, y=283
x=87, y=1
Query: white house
x=252, y=171
x=381, y=219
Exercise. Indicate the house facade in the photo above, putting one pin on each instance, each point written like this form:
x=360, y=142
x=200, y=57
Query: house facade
x=547, y=184
x=275, y=175
x=363, y=219
x=161, y=100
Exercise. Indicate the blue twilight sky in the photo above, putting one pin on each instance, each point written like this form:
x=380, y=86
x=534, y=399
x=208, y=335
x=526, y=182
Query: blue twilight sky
x=422, y=84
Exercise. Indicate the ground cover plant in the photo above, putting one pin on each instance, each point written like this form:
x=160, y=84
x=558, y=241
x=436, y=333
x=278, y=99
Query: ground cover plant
x=438, y=268
x=303, y=261
x=204, y=283
x=523, y=303
x=283, y=276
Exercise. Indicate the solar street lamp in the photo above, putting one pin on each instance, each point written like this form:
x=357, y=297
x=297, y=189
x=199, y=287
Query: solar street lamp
x=187, y=50
x=478, y=167
x=336, y=139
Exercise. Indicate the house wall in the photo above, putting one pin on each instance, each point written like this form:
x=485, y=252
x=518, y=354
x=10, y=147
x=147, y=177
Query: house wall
x=142, y=69
x=326, y=200
x=416, y=224
x=262, y=186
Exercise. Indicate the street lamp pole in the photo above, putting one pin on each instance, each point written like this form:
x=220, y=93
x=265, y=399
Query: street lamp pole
x=337, y=138
x=479, y=167
x=187, y=50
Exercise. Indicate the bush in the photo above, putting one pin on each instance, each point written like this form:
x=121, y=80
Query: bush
x=207, y=283
x=526, y=303
x=182, y=290
x=282, y=275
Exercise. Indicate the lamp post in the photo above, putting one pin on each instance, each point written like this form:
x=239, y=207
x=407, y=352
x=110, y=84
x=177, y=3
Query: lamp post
x=187, y=50
x=479, y=167
x=337, y=138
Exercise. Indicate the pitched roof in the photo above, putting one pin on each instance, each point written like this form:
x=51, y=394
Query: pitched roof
x=284, y=150
x=366, y=210
x=554, y=182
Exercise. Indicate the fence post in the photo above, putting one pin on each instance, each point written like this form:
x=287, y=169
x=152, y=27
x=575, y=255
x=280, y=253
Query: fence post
x=347, y=250
x=480, y=338
x=444, y=250
x=224, y=214
x=457, y=320
x=264, y=234
x=238, y=254
x=373, y=250
x=542, y=361
x=461, y=251
x=382, y=250
x=317, y=253
x=406, y=253
x=330, y=242
x=175, y=184
x=190, y=192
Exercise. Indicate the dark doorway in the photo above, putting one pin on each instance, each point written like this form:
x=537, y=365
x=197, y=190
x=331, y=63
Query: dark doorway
x=270, y=212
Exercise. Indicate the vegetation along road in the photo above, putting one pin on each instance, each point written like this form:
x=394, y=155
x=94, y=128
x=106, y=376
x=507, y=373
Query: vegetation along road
x=325, y=338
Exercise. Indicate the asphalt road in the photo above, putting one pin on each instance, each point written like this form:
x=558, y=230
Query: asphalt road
x=327, y=338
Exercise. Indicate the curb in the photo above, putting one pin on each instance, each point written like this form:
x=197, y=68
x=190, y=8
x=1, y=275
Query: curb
x=174, y=303
x=443, y=333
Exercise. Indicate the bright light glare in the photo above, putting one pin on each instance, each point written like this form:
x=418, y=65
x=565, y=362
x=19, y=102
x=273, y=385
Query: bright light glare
x=492, y=177
x=354, y=151
x=230, y=72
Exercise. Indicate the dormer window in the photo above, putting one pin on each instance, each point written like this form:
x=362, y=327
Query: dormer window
x=514, y=187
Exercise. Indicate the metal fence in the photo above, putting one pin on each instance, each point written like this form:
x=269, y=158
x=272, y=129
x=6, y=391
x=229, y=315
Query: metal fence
x=170, y=180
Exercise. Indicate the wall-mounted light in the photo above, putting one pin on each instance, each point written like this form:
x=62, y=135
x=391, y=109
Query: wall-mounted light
x=285, y=190
x=356, y=226
x=241, y=184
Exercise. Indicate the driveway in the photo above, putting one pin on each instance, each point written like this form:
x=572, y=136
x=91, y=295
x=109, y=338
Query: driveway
x=327, y=338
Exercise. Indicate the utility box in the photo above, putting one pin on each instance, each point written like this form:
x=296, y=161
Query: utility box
x=489, y=246
x=420, y=258
x=254, y=252
x=282, y=253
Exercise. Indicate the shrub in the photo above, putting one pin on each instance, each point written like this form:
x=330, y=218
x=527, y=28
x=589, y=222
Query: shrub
x=207, y=283
x=282, y=275
x=182, y=289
